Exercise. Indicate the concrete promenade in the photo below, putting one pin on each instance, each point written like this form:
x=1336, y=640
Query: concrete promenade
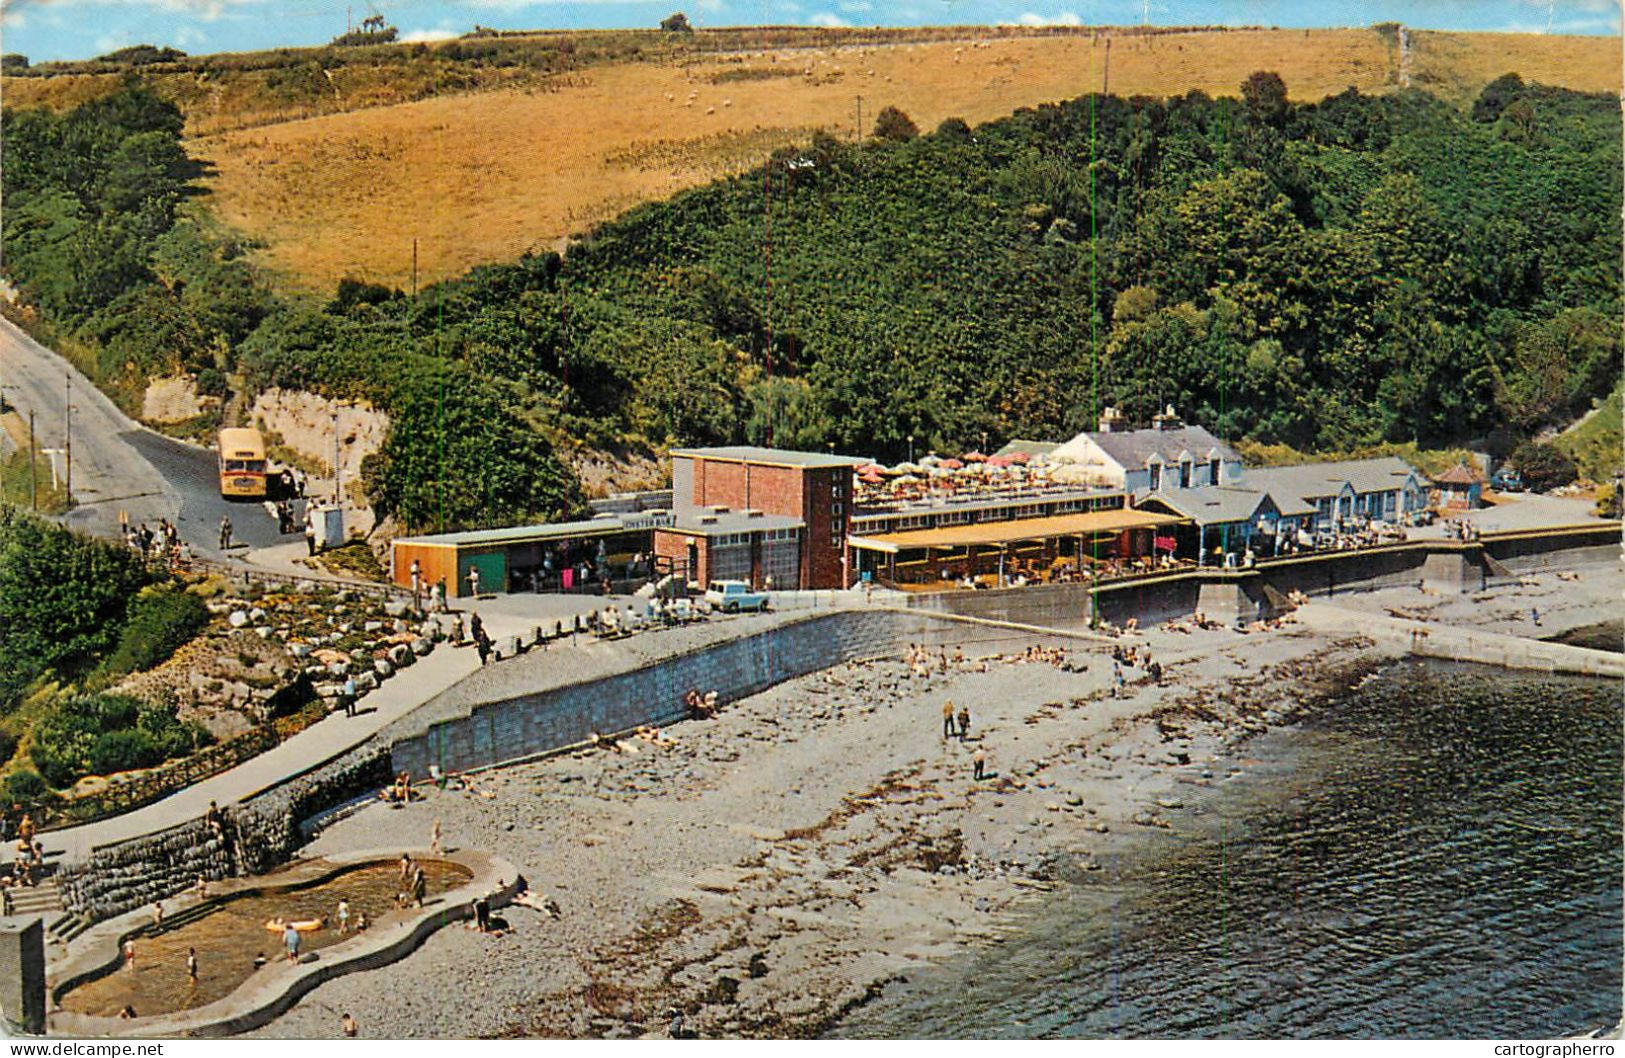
x=317, y=743
x=1432, y=640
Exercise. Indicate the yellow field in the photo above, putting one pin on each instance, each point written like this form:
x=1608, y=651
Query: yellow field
x=485, y=176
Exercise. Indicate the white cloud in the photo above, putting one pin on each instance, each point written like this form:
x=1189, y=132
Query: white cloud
x=15, y=19
x=190, y=37
x=425, y=36
x=1062, y=18
x=856, y=6
x=827, y=19
x=710, y=6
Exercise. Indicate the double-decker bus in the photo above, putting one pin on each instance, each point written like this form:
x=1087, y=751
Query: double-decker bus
x=242, y=464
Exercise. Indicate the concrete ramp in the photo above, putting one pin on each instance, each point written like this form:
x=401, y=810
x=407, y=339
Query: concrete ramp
x=1425, y=639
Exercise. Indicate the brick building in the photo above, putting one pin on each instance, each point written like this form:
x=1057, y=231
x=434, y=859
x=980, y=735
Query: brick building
x=747, y=513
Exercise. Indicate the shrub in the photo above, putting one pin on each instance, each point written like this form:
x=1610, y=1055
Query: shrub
x=893, y=124
x=1608, y=500
x=101, y=733
x=22, y=786
x=116, y=751
x=1543, y=466
x=162, y=620
x=8, y=745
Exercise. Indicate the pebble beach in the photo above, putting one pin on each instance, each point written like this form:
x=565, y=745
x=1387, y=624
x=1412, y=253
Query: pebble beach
x=763, y=872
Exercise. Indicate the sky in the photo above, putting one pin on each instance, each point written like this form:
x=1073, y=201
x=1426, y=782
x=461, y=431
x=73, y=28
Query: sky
x=79, y=29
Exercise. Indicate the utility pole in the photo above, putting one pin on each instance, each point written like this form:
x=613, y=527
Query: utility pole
x=338, y=493
x=414, y=268
x=1106, y=72
x=33, y=465
x=860, y=119
x=67, y=430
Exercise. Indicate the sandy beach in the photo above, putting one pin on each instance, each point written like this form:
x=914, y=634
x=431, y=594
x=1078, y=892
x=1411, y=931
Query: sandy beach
x=766, y=870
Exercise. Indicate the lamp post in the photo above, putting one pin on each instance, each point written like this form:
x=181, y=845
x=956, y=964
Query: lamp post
x=911, y=448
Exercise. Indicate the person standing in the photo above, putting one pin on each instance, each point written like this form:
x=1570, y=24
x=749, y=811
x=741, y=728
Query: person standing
x=290, y=940
x=225, y=532
x=191, y=966
x=482, y=643
x=978, y=763
x=437, y=598
x=129, y=955
x=343, y=915
x=948, y=719
x=310, y=533
x=474, y=581
x=964, y=722
x=417, y=586
x=434, y=839
x=349, y=696
x=348, y=1026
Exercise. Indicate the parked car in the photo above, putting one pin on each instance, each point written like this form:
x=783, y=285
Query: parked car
x=1507, y=479
x=732, y=596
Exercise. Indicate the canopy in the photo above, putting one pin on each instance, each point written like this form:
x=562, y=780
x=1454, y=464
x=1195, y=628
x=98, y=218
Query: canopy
x=1011, y=532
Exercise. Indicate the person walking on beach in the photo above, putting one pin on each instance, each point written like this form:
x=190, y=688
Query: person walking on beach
x=964, y=722
x=290, y=940
x=978, y=763
x=191, y=966
x=948, y=719
x=129, y=955
x=434, y=839
x=1117, y=679
x=343, y=915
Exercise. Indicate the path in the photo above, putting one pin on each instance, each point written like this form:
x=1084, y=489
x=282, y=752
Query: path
x=312, y=746
x=1433, y=640
x=118, y=464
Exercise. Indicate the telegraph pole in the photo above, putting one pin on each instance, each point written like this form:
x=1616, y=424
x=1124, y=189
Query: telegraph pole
x=860, y=119
x=414, y=268
x=33, y=465
x=67, y=431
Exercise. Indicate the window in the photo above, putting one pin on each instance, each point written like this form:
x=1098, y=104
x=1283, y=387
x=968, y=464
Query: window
x=1213, y=470
x=1184, y=473
x=1156, y=476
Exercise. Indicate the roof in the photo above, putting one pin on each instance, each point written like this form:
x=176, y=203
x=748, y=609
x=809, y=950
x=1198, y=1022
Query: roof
x=973, y=502
x=243, y=437
x=1134, y=448
x=1460, y=474
x=606, y=525
x=689, y=523
x=1012, y=531
x=1213, y=506
x=1310, y=480
x=1032, y=448
x=771, y=456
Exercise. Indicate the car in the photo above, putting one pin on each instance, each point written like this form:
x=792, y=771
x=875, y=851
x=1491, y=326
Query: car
x=1507, y=479
x=732, y=596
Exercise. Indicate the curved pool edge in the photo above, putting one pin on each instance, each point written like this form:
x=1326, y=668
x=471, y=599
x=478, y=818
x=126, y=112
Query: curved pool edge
x=273, y=990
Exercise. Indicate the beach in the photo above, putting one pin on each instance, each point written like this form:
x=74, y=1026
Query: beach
x=766, y=871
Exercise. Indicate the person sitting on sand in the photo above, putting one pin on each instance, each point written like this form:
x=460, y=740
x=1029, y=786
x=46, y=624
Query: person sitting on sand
x=361, y=922
x=127, y=1013
x=348, y=1026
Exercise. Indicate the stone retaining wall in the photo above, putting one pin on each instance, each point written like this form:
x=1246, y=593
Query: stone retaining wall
x=528, y=725
x=262, y=832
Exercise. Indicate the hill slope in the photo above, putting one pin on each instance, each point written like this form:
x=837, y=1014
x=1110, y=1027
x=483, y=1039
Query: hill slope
x=483, y=156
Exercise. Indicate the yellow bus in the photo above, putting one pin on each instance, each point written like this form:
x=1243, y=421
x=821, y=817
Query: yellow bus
x=242, y=464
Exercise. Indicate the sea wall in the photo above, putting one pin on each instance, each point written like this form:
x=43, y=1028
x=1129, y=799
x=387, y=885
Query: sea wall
x=528, y=725
x=259, y=833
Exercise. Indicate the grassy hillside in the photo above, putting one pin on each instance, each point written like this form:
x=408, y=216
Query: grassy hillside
x=1595, y=441
x=336, y=159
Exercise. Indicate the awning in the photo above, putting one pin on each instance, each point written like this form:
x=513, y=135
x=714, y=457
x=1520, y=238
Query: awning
x=1061, y=525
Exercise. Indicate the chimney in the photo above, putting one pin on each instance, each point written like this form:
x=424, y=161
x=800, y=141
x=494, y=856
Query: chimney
x=1168, y=420
x=1111, y=421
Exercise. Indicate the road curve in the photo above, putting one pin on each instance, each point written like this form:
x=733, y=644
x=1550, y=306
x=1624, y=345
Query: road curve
x=118, y=464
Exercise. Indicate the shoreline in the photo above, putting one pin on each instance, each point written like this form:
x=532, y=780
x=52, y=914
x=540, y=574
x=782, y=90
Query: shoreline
x=770, y=870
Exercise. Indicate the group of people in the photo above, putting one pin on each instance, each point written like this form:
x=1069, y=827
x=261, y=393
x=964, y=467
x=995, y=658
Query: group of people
x=1129, y=658
x=160, y=543
x=398, y=792
x=920, y=660
x=700, y=707
x=414, y=883
x=28, y=865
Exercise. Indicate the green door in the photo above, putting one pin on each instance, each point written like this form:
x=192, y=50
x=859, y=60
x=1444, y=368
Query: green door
x=493, y=567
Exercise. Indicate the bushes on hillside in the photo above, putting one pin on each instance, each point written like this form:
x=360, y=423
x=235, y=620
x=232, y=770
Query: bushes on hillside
x=162, y=620
x=1543, y=466
x=104, y=733
x=64, y=598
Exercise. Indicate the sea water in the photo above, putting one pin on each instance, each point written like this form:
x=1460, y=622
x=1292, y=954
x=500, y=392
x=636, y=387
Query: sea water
x=1435, y=853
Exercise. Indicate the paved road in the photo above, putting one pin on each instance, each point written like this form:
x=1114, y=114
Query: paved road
x=117, y=463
